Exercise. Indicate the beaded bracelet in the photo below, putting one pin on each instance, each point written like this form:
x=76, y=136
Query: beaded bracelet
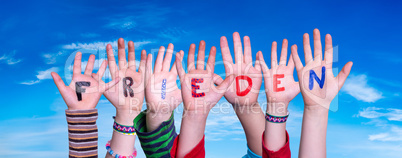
x=126, y=130
x=111, y=152
x=276, y=119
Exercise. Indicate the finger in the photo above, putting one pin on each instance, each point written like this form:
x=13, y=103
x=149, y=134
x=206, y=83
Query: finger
x=159, y=60
x=247, y=50
x=296, y=58
x=341, y=78
x=131, y=55
x=168, y=58
x=227, y=58
x=257, y=61
x=77, y=63
x=110, y=84
x=225, y=84
x=211, y=59
x=102, y=69
x=307, y=49
x=121, y=53
x=143, y=62
x=317, y=45
x=190, y=59
x=264, y=67
x=291, y=63
x=217, y=79
x=179, y=67
x=90, y=65
x=148, y=68
x=174, y=69
x=201, y=56
x=238, y=50
x=274, y=58
x=284, y=52
x=329, y=51
x=59, y=82
x=111, y=60
x=95, y=76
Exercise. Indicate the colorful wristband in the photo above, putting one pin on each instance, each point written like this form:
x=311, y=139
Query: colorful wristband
x=126, y=130
x=276, y=119
x=111, y=152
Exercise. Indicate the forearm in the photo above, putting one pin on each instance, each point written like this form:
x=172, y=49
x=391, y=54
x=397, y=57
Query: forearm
x=192, y=131
x=82, y=133
x=314, y=130
x=156, y=118
x=121, y=143
x=275, y=133
x=252, y=120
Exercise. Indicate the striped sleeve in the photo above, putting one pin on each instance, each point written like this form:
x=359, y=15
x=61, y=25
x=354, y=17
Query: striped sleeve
x=159, y=142
x=82, y=133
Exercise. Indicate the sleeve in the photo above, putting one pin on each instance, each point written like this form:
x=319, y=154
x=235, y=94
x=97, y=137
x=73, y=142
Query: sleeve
x=197, y=152
x=283, y=152
x=82, y=133
x=155, y=143
x=251, y=154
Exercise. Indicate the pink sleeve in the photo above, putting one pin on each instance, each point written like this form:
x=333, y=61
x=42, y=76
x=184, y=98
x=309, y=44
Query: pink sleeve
x=283, y=152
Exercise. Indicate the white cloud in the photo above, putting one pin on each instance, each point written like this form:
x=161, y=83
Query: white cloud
x=51, y=58
x=395, y=134
x=357, y=87
x=100, y=45
x=9, y=58
x=42, y=75
x=391, y=114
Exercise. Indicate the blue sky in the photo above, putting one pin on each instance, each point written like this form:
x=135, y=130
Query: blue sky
x=40, y=36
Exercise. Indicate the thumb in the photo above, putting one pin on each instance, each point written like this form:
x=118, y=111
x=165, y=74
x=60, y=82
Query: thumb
x=226, y=83
x=341, y=78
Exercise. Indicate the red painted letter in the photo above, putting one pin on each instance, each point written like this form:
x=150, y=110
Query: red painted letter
x=276, y=82
x=245, y=92
x=194, y=87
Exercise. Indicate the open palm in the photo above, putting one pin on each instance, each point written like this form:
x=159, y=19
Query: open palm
x=88, y=94
x=280, y=85
x=313, y=93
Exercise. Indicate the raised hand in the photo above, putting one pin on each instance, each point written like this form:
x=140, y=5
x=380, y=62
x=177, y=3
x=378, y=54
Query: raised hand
x=161, y=92
x=317, y=82
x=199, y=96
x=318, y=87
x=243, y=93
x=198, y=90
x=280, y=88
x=248, y=79
x=280, y=85
x=128, y=95
x=84, y=91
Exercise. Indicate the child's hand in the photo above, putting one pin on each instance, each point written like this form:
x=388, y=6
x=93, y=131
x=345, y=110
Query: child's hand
x=280, y=85
x=245, y=90
x=84, y=91
x=198, y=90
x=128, y=95
x=162, y=93
x=317, y=82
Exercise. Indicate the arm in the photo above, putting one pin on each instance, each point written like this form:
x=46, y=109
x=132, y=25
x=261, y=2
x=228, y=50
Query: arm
x=280, y=88
x=127, y=96
x=244, y=96
x=319, y=87
x=81, y=98
x=155, y=126
x=199, y=96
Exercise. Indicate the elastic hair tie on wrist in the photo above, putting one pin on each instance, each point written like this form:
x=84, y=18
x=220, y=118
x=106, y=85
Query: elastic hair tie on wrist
x=276, y=119
x=111, y=152
x=126, y=130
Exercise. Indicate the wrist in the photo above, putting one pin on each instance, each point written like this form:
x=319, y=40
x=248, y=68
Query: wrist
x=277, y=108
x=315, y=111
x=126, y=117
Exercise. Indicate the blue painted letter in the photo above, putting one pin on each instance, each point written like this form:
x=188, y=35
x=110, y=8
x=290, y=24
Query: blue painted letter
x=319, y=81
